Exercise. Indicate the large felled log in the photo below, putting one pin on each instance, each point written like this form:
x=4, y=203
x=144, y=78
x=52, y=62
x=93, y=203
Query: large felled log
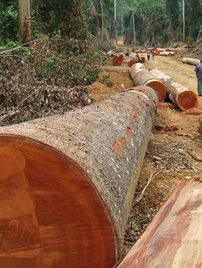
x=142, y=77
x=191, y=61
x=67, y=182
x=178, y=94
x=174, y=237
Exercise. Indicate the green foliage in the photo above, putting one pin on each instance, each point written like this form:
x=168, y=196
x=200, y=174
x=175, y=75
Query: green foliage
x=105, y=80
x=172, y=8
x=64, y=17
x=193, y=18
x=156, y=21
x=67, y=65
x=9, y=21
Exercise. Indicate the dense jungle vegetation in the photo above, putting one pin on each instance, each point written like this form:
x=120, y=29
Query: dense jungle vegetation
x=139, y=21
x=67, y=35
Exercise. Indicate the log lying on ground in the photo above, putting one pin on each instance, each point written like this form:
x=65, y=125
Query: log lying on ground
x=178, y=94
x=166, y=49
x=191, y=61
x=167, y=53
x=67, y=182
x=174, y=237
x=160, y=75
x=142, y=77
x=140, y=51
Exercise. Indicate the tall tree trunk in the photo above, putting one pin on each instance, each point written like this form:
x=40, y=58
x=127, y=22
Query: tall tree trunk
x=115, y=21
x=183, y=18
x=102, y=18
x=25, y=22
x=134, y=33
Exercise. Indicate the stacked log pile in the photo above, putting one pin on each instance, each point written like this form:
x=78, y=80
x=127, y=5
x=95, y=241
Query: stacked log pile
x=174, y=237
x=143, y=77
x=68, y=182
x=178, y=94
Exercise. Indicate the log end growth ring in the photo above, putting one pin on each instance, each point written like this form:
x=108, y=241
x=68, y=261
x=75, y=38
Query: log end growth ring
x=50, y=213
x=187, y=100
x=158, y=87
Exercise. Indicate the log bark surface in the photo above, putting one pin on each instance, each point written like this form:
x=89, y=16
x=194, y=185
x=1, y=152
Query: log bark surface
x=68, y=182
x=143, y=77
x=174, y=237
x=200, y=124
x=178, y=94
x=191, y=61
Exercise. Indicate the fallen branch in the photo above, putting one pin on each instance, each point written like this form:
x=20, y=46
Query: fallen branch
x=15, y=48
x=152, y=176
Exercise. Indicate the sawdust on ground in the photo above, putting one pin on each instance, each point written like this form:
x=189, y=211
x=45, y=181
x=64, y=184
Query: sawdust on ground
x=109, y=83
x=175, y=149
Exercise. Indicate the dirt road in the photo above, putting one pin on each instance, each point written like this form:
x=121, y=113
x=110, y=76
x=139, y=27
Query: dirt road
x=175, y=150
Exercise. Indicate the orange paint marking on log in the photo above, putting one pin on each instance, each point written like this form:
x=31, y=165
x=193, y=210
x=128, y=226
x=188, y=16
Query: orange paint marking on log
x=134, y=112
x=123, y=140
x=129, y=131
x=117, y=149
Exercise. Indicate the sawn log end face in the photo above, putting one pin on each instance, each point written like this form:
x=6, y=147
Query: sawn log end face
x=51, y=215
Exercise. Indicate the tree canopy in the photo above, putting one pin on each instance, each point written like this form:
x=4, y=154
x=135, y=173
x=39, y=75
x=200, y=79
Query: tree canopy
x=138, y=21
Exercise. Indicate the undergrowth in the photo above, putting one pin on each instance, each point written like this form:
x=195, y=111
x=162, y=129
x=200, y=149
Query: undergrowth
x=53, y=61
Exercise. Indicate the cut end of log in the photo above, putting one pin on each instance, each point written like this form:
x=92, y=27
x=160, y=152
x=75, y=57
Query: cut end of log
x=187, y=100
x=158, y=87
x=131, y=63
x=117, y=60
x=51, y=215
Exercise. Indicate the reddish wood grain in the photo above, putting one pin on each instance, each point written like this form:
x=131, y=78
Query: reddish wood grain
x=50, y=213
x=174, y=237
x=141, y=76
